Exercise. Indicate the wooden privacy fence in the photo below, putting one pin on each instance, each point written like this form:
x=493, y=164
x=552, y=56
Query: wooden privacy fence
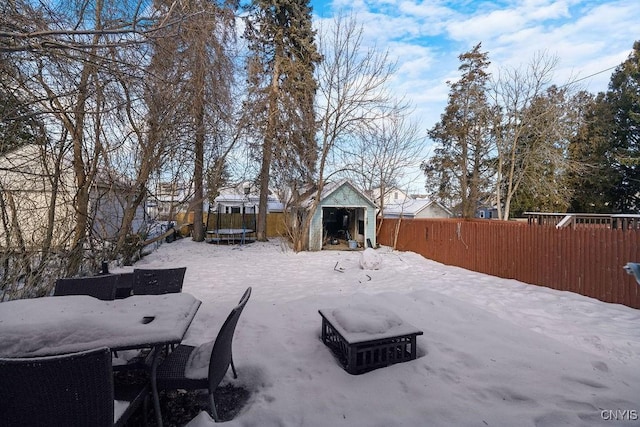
x=585, y=261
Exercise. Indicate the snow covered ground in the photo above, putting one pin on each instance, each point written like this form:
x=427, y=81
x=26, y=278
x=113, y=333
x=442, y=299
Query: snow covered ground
x=495, y=352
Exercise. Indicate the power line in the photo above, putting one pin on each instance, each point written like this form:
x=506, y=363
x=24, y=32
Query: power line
x=595, y=74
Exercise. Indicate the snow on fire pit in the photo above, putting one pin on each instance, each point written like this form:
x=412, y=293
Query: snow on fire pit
x=366, y=319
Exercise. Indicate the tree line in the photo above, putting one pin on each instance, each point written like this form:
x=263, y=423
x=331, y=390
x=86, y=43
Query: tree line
x=517, y=142
x=103, y=100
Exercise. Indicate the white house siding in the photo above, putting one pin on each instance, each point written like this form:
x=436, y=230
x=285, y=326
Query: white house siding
x=25, y=183
x=432, y=211
x=416, y=208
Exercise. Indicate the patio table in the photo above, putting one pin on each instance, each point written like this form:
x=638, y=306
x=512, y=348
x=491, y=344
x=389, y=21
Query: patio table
x=65, y=324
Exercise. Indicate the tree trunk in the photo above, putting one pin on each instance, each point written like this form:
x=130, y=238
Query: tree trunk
x=267, y=154
x=81, y=201
x=261, y=220
x=198, y=194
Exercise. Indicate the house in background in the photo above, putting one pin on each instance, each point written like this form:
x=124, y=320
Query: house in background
x=391, y=195
x=344, y=214
x=243, y=198
x=167, y=199
x=35, y=197
x=236, y=208
x=109, y=199
x=487, y=212
x=32, y=196
x=416, y=208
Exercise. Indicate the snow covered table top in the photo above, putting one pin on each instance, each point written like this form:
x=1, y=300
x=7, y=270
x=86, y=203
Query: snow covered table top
x=64, y=324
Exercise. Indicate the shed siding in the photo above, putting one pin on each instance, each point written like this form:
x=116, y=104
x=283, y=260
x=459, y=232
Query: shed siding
x=315, y=233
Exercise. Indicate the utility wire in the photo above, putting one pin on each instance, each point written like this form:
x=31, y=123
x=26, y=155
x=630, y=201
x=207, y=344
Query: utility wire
x=595, y=74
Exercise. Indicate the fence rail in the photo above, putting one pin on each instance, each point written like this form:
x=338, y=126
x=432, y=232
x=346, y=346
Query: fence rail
x=588, y=261
x=576, y=220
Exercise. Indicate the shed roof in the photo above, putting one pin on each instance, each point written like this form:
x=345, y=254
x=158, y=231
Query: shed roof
x=332, y=187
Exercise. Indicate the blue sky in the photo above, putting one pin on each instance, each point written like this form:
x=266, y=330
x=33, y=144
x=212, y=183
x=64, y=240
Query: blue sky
x=426, y=38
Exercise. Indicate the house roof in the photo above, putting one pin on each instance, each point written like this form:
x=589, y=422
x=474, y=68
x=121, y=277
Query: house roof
x=228, y=198
x=331, y=187
x=411, y=207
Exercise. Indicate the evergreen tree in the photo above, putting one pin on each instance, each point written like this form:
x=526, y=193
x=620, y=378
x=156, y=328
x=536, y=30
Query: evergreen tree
x=591, y=146
x=282, y=88
x=609, y=143
x=459, y=171
x=623, y=98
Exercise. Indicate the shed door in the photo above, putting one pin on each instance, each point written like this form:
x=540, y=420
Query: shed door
x=341, y=224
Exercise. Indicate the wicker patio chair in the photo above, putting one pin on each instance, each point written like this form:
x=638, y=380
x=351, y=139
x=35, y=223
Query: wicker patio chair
x=158, y=281
x=74, y=389
x=171, y=372
x=101, y=287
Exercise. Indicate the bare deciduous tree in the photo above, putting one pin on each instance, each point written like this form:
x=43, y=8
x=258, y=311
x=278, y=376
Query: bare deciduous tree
x=81, y=69
x=383, y=155
x=534, y=124
x=352, y=97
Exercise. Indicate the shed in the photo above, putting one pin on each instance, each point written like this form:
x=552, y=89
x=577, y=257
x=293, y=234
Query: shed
x=344, y=213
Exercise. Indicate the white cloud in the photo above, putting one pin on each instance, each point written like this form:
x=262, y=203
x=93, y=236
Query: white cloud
x=478, y=28
x=427, y=36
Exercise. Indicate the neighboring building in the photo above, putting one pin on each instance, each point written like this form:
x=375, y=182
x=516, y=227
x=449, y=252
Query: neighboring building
x=416, y=208
x=245, y=198
x=32, y=193
x=487, y=212
x=167, y=199
x=108, y=202
x=236, y=208
x=27, y=181
x=392, y=196
x=344, y=212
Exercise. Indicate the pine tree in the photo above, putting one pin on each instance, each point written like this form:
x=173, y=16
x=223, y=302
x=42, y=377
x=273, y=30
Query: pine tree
x=591, y=146
x=623, y=98
x=460, y=169
x=609, y=143
x=282, y=88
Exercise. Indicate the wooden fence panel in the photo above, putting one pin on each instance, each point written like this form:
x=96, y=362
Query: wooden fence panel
x=583, y=260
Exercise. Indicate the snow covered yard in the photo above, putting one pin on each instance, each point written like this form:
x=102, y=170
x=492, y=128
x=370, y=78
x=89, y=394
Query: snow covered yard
x=494, y=352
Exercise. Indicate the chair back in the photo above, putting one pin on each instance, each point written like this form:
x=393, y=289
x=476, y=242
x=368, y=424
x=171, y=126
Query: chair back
x=124, y=287
x=101, y=287
x=221, y=353
x=158, y=281
x=67, y=390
